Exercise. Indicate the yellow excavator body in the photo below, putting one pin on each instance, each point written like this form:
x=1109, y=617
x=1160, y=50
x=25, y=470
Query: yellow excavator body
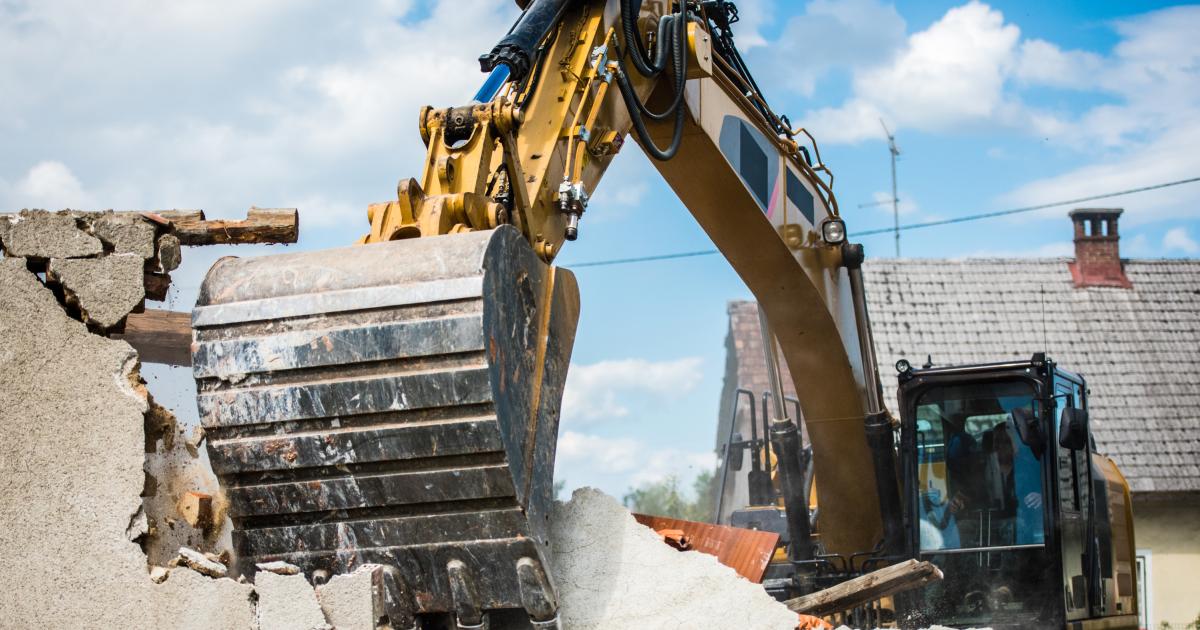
x=397, y=402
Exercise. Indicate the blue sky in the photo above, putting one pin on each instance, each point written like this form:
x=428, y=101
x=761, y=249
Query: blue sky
x=303, y=103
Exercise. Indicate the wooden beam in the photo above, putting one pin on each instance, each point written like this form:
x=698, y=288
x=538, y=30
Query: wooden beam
x=261, y=225
x=865, y=589
x=160, y=336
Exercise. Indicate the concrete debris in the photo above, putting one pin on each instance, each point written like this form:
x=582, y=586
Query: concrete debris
x=126, y=233
x=139, y=525
x=40, y=235
x=105, y=289
x=158, y=575
x=195, y=602
x=287, y=602
x=350, y=601
x=5, y=228
x=169, y=254
x=612, y=572
x=201, y=563
x=279, y=567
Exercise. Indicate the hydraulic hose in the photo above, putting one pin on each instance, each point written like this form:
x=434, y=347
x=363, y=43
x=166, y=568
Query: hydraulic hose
x=637, y=110
x=633, y=40
x=639, y=125
x=679, y=58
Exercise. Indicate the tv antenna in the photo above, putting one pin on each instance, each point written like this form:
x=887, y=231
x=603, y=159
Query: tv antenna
x=895, y=151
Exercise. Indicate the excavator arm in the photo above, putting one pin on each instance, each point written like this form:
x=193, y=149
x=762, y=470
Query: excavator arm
x=398, y=402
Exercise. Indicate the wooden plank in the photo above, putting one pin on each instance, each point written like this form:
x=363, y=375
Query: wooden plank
x=160, y=336
x=865, y=589
x=746, y=551
x=261, y=225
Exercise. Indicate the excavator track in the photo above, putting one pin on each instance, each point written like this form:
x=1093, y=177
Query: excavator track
x=392, y=404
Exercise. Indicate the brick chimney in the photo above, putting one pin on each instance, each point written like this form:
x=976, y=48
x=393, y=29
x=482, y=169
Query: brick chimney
x=1098, y=249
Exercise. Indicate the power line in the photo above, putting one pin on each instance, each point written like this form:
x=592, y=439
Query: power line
x=639, y=259
x=1001, y=213
x=910, y=226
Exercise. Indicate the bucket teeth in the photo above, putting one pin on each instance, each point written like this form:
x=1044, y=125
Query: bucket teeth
x=391, y=404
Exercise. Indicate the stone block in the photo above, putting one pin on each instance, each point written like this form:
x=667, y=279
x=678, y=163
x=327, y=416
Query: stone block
x=41, y=235
x=105, y=289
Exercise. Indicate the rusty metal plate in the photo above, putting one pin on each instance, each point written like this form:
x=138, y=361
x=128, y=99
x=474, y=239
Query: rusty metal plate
x=746, y=551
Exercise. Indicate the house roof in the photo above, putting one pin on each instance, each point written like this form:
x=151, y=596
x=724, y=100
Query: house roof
x=1138, y=348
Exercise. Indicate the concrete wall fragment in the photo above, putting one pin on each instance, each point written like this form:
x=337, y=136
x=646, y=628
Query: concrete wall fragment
x=287, y=602
x=71, y=456
x=105, y=289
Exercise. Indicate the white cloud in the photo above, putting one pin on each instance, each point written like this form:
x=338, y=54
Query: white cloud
x=1039, y=62
x=1168, y=157
x=970, y=68
x=851, y=33
x=614, y=455
x=48, y=185
x=950, y=74
x=266, y=103
x=1178, y=240
x=601, y=391
x=619, y=464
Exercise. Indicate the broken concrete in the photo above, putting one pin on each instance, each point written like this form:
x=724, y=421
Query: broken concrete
x=41, y=235
x=279, y=567
x=105, y=289
x=169, y=254
x=126, y=233
x=194, y=602
x=287, y=602
x=5, y=228
x=71, y=456
x=201, y=563
x=350, y=601
x=612, y=572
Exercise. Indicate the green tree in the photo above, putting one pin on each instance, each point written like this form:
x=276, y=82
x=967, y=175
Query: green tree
x=559, y=486
x=666, y=498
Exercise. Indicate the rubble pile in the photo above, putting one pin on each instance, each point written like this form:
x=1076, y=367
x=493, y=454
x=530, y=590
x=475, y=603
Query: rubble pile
x=612, y=572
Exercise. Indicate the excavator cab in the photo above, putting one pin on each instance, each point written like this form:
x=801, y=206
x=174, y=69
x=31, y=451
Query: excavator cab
x=1003, y=491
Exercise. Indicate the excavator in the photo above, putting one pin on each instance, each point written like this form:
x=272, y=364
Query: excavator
x=397, y=402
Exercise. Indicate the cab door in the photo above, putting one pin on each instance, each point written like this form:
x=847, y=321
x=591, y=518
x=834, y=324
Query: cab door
x=1073, y=473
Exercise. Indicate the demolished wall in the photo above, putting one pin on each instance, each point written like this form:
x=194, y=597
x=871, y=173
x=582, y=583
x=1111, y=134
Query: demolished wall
x=71, y=455
x=79, y=438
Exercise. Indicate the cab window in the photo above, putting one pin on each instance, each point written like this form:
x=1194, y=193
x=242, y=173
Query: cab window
x=980, y=485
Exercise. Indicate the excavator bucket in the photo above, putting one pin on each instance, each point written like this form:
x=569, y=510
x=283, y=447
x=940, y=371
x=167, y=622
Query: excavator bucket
x=394, y=404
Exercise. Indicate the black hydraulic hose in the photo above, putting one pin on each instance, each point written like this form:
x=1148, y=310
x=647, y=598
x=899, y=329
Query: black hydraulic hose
x=517, y=48
x=637, y=110
x=679, y=59
x=630, y=9
x=639, y=125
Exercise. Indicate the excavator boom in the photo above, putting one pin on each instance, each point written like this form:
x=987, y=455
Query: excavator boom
x=398, y=402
